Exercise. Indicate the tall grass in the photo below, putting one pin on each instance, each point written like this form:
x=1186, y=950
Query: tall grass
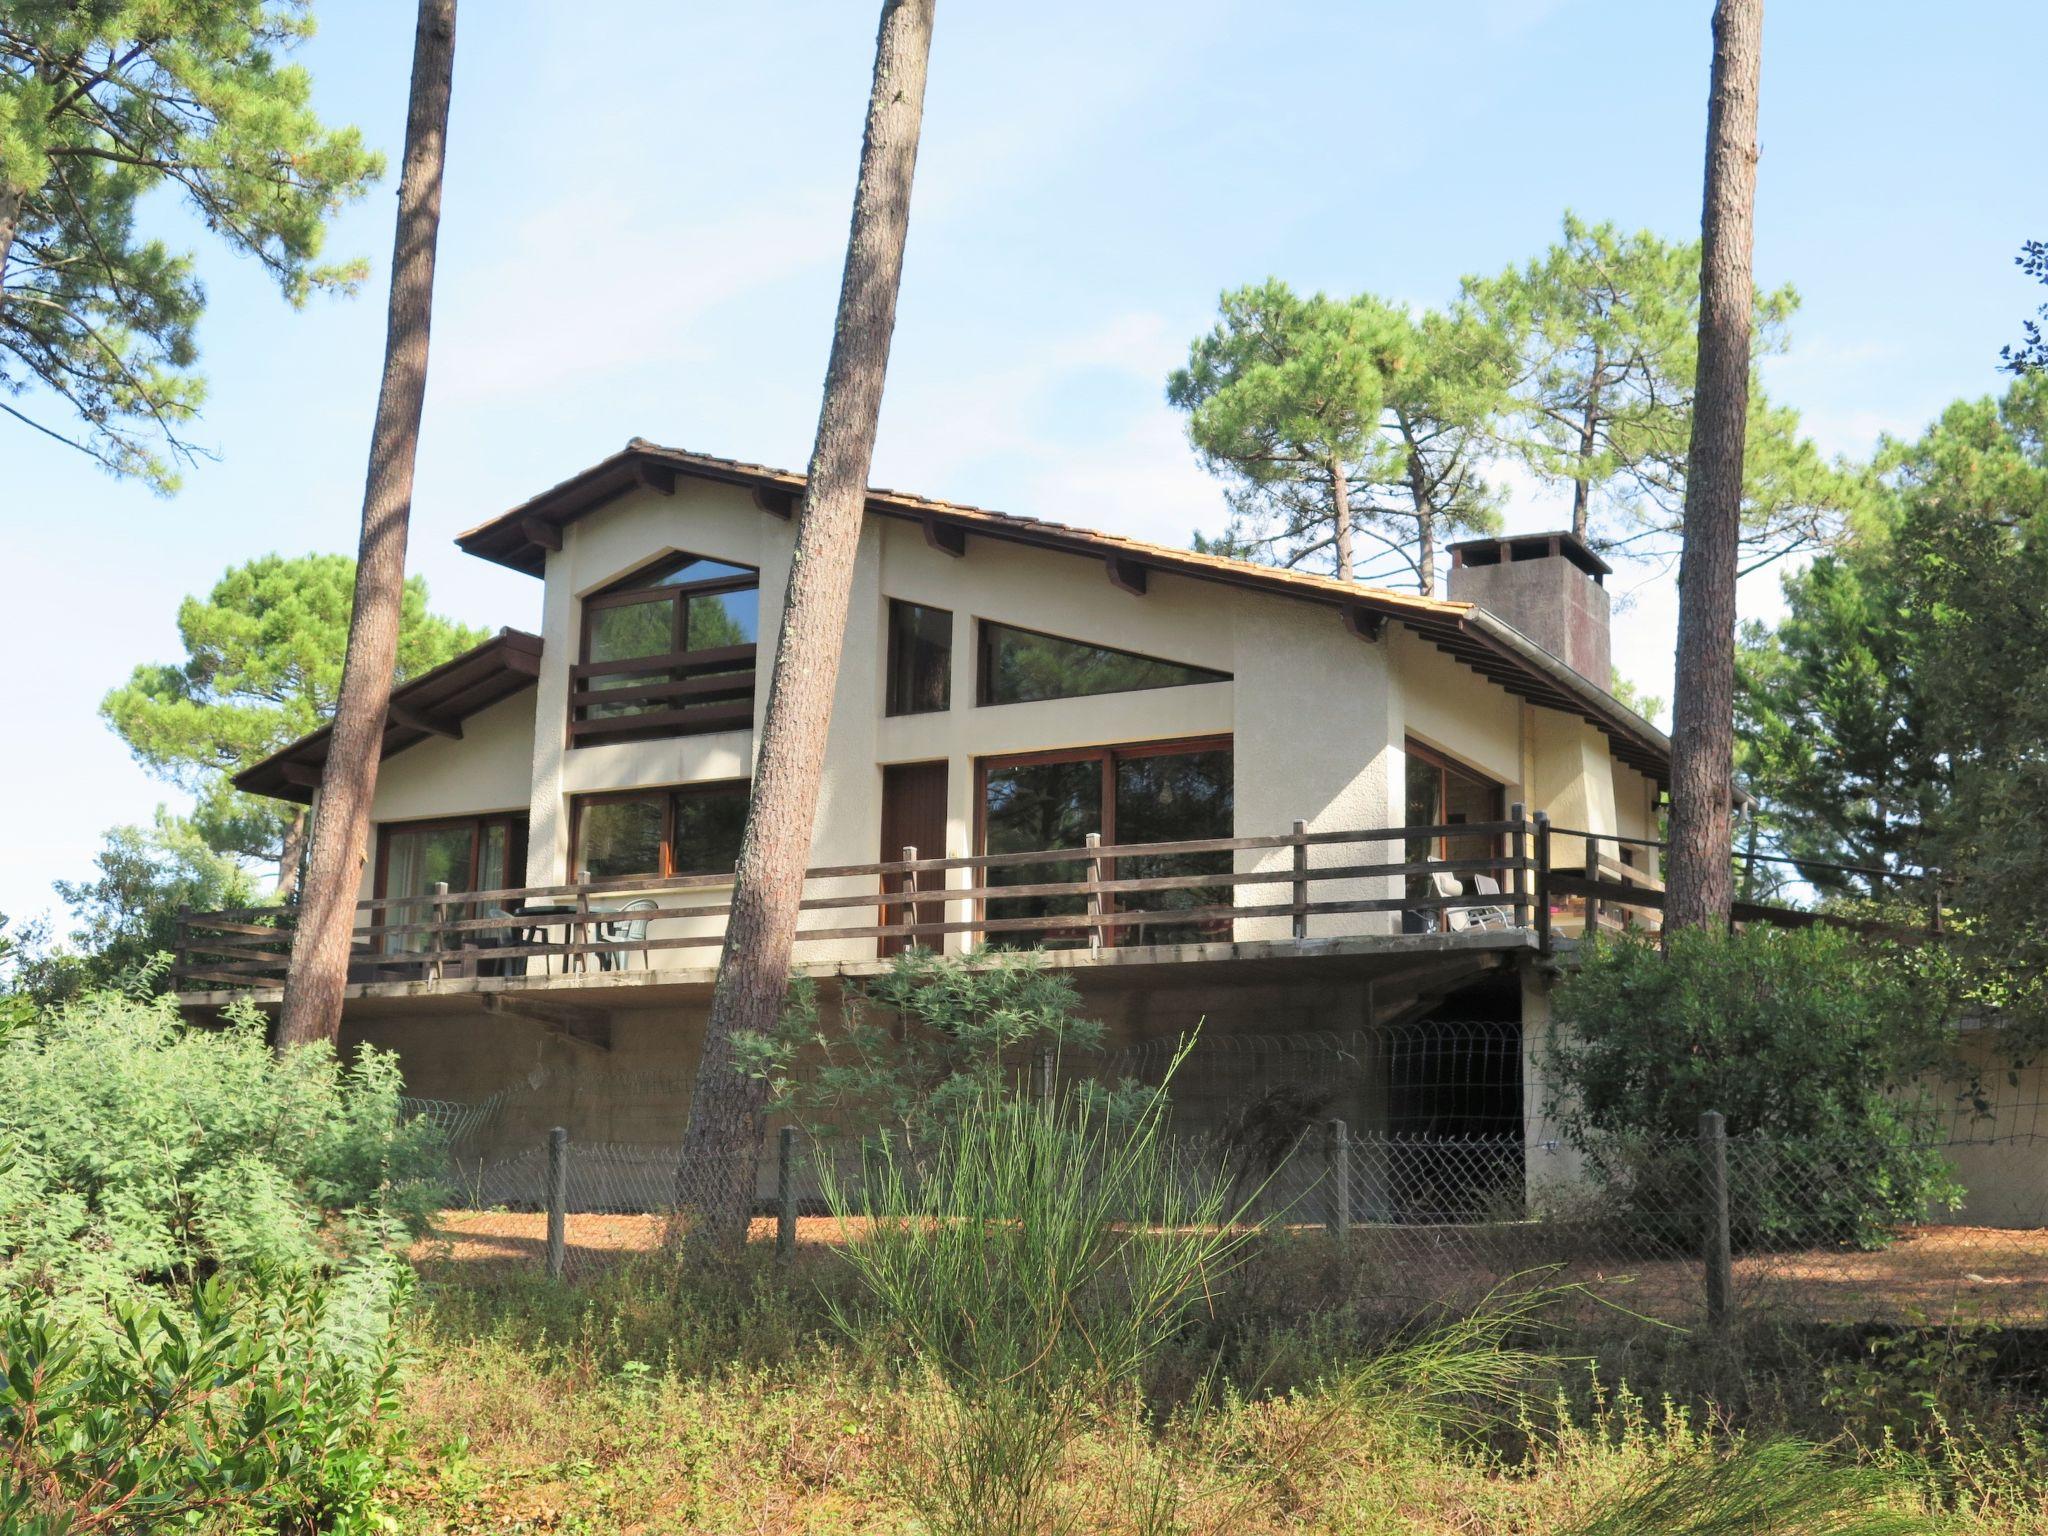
x=1772, y=1488
x=1033, y=1260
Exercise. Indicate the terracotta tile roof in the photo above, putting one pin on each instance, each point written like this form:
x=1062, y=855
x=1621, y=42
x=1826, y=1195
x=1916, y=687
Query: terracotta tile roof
x=522, y=537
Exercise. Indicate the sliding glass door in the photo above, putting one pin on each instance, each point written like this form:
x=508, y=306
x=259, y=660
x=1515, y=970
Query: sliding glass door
x=1442, y=793
x=470, y=853
x=1155, y=792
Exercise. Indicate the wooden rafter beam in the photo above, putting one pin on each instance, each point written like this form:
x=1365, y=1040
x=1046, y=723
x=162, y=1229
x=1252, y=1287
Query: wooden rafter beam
x=775, y=501
x=422, y=720
x=655, y=477
x=944, y=537
x=1126, y=574
x=303, y=775
x=1364, y=622
x=539, y=530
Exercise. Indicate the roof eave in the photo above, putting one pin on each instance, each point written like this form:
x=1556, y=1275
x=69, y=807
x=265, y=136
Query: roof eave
x=506, y=664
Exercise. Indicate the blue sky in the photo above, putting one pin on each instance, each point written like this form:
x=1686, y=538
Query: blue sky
x=645, y=216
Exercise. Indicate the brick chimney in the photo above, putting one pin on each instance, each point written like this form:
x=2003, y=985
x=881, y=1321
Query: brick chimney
x=1550, y=586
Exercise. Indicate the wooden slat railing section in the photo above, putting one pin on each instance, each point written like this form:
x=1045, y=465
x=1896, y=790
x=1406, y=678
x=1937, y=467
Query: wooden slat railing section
x=1604, y=885
x=247, y=946
x=693, y=692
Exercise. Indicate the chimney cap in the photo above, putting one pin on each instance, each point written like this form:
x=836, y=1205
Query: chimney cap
x=1501, y=549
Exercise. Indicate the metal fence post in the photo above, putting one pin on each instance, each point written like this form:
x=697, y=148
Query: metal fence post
x=558, y=1201
x=785, y=1194
x=1340, y=1181
x=1714, y=1174
x=1299, y=898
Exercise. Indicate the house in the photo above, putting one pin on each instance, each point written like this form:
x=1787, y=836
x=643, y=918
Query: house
x=1330, y=808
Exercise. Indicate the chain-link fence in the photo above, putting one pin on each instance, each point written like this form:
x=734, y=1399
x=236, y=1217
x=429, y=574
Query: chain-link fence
x=1409, y=1152
x=1677, y=1229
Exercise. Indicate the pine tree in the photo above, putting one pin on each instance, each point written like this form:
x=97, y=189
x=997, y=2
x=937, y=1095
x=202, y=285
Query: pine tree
x=1699, y=886
x=318, y=973
x=728, y=1106
x=1283, y=400
x=262, y=668
x=102, y=104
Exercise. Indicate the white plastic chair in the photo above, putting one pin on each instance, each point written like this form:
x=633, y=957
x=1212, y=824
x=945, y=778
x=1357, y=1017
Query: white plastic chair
x=1465, y=919
x=1489, y=917
x=632, y=930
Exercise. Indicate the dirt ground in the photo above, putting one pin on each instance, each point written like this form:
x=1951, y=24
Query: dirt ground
x=1930, y=1274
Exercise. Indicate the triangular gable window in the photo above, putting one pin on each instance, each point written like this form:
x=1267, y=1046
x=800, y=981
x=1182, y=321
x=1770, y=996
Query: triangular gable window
x=1019, y=666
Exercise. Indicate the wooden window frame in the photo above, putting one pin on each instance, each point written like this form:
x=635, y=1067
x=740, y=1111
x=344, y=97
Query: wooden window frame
x=1110, y=755
x=722, y=714
x=1445, y=765
x=518, y=827
x=670, y=794
x=889, y=711
x=983, y=670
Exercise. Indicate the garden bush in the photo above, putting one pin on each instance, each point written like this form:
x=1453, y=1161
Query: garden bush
x=1818, y=1047
x=199, y=1283
x=136, y=1151
x=920, y=1044
x=1034, y=1257
x=245, y=1406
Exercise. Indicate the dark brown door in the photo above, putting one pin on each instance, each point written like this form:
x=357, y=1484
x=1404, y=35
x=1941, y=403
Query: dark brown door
x=914, y=816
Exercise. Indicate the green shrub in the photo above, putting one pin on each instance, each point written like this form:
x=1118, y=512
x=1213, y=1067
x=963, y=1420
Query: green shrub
x=916, y=1047
x=138, y=1152
x=1813, y=1043
x=250, y=1407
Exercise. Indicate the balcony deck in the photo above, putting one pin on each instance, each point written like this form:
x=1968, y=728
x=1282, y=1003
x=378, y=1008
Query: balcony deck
x=1245, y=900
x=1303, y=902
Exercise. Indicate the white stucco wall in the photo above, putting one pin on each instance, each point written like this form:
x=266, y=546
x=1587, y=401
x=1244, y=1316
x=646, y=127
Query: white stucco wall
x=486, y=770
x=1317, y=716
x=1313, y=719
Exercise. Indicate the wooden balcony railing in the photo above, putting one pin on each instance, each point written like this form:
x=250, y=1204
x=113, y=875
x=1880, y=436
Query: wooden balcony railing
x=688, y=692
x=530, y=929
x=1609, y=894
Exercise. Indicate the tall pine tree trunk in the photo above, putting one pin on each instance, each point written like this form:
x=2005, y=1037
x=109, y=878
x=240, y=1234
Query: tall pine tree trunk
x=1589, y=442
x=327, y=904
x=1340, y=498
x=715, y=1179
x=1699, y=881
x=290, y=856
x=1425, y=524
x=11, y=199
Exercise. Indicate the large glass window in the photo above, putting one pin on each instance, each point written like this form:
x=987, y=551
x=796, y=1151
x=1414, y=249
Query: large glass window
x=667, y=651
x=1442, y=793
x=1151, y=793
x=1171, y=798
x=1019, y=666
x=1033, y=806
x=920, y=659
x=693, y=829
x=470, y=853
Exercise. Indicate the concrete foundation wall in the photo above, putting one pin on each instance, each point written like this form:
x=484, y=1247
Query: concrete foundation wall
x=2000, y=1158
x=637, y=1092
